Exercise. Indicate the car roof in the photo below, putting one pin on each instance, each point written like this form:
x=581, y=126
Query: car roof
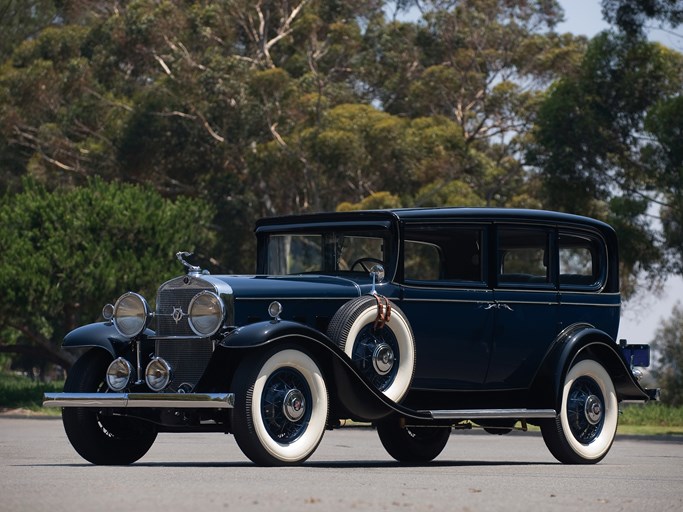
x=381, y=217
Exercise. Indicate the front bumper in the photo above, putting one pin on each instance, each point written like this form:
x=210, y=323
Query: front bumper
x=138, y=400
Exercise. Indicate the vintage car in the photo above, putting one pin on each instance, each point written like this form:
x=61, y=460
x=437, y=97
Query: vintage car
x=418, y=321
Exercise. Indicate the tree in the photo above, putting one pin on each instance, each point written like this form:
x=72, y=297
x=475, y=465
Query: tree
x=66, y=253
x=21, y=19
x=630, y=16
x=483, y=65
x=596, y=137
x=668, y=345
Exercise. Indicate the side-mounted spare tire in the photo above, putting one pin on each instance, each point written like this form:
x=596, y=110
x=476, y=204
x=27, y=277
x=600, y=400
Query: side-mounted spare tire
x=383, y=351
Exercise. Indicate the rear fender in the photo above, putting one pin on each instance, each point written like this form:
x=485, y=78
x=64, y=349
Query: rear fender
x=576, y=342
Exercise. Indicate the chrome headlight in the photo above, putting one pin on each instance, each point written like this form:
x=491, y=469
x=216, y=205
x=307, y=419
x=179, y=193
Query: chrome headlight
x=206, y=313
x=131, y=314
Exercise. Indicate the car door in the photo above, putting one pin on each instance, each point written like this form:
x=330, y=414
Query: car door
x=449, y=306
x=526, y=304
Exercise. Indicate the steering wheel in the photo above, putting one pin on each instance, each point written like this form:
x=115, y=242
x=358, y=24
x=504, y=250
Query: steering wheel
x=362, y=262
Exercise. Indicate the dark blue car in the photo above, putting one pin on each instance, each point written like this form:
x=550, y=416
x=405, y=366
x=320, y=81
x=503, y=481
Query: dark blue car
x=419, y=321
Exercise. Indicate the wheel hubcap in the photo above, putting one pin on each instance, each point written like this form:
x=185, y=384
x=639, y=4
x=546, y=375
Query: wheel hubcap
x=376, y=354
x=593, y=410
x=294, y=406
x=284, y=406
x=383, y=359
x=585, y=410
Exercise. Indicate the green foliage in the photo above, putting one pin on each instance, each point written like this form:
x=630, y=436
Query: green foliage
x=376, y=201
x=589, y=144
x=668, y=345
x=21, y=19
x=265, y=108
x=631, y=15
x=18, y=391
x=652, y=413
x=68, y=252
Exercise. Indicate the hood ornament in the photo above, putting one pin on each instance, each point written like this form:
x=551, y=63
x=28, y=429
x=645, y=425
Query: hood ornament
x=191, y=269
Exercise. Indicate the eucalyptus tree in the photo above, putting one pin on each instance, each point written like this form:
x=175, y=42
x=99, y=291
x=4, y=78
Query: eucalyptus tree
x=606, y=145
x=668, y=345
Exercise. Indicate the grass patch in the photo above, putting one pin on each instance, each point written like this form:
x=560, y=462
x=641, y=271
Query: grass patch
x=654, y=414
x=654, y=418
x=19, y=392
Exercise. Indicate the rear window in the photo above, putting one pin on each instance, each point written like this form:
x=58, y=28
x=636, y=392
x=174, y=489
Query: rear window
x=580, y=260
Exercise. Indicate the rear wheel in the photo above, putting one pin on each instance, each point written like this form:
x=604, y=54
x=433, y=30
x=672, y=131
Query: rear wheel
x=281, y=407
x=584, y=430
x=412, y=444
x=98, y=437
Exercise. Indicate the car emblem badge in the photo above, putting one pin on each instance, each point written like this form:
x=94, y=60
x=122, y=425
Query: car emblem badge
x=177, y=314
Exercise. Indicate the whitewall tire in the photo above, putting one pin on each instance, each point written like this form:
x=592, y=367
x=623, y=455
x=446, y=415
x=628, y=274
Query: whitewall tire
x=281, y=407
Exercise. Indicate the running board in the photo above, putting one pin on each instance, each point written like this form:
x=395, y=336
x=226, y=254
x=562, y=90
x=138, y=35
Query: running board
x=127, y=400
x=471, y=414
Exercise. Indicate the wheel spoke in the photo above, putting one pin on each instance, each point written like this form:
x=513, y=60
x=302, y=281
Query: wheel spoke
x=583, y=394
x=273, y=403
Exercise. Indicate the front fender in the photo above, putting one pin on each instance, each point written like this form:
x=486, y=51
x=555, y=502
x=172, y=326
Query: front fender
x=576, y=341
x=262, y=333
x=352, y=395
x=102, y=335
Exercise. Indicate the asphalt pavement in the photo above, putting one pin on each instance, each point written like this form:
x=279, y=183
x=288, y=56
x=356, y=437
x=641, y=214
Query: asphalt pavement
x=350, y=471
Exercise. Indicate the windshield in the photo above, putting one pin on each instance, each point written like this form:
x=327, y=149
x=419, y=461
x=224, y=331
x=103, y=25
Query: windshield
x=328, y=252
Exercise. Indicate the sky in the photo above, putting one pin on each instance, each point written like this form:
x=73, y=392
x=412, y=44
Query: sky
x=643, y=314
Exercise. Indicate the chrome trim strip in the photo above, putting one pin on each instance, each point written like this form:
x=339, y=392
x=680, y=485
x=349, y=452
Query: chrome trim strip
x=591, y=304
x=137, y=400
x=468, y=414
x=266, y=299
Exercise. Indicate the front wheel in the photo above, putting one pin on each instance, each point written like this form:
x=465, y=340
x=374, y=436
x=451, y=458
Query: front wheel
x=281, y=407
x=584, y=430
x=412, y=444
x=98, y=437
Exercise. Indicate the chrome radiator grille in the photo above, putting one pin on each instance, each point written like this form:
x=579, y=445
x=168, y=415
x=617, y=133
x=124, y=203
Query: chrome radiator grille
x=188, y=359
x=175, y=296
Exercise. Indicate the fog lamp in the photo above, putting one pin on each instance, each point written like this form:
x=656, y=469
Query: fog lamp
x=158, y=374
x=118, y=374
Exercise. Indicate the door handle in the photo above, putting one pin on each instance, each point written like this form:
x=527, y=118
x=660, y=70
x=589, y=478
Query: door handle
x=497, y=305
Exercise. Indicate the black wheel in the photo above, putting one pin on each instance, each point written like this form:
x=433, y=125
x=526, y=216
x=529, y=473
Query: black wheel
x=363, y=263
x=97, y=437
x=385, y=355
x=412, y=444
x=584, y=430
x=281, y=407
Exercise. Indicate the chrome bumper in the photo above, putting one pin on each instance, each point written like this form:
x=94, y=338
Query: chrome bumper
x=150, y=400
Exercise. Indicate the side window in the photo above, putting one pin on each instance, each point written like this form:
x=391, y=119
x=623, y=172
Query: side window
x=523, y=256
x=580, y=257
x=443, y=255
x=423, y=261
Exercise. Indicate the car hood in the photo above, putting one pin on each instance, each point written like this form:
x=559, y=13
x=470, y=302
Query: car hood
x=291, y=287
